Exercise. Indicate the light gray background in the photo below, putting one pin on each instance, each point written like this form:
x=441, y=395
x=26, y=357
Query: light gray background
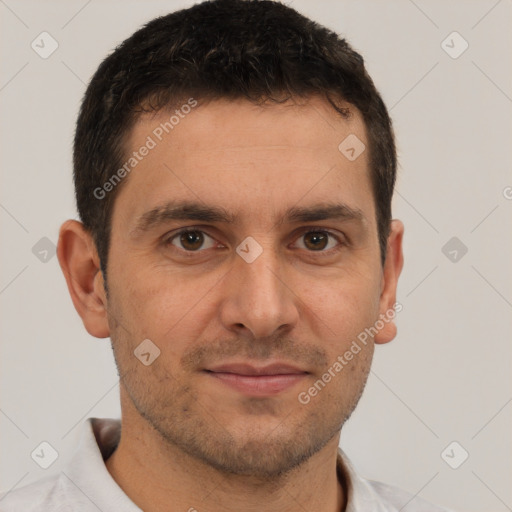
x=447, y=375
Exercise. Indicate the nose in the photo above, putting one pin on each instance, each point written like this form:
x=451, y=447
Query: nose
x=258, y=300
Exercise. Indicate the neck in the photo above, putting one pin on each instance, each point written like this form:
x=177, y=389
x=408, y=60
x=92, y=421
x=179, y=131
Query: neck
x=158, y=476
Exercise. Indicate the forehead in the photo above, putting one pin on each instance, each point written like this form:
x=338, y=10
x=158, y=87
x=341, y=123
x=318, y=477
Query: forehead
x=251, y=158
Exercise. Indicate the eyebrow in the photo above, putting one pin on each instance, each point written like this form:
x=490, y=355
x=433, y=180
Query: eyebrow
x=191, y=210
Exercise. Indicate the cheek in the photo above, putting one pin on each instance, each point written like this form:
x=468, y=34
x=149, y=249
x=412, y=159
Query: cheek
x=346, y=305
x=163, y=306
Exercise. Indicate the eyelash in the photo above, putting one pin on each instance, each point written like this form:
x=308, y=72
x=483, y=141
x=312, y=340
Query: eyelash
x=341, y=243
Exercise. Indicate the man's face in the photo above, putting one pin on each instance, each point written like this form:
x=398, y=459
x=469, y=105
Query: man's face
x=301, y=302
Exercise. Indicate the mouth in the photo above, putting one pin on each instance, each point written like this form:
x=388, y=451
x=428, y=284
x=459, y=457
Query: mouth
x=257, y=381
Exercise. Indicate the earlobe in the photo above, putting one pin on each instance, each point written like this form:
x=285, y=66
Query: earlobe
x=79, y=262
x=391, y=272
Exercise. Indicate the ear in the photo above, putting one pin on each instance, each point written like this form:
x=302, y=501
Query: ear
x=80, y=264
x=391, y=271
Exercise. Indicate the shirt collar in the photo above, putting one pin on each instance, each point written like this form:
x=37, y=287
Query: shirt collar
x=87, y=469
x=360, y=494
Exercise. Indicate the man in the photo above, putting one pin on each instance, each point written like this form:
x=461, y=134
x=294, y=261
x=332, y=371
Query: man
x=234, y=168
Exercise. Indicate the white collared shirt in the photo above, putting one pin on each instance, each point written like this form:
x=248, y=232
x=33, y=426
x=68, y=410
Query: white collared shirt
x=85, y=484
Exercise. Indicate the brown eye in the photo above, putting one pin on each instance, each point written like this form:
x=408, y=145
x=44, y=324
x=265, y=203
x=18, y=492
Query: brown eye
x=319, y=241
x=316, y=240
x=191, y=240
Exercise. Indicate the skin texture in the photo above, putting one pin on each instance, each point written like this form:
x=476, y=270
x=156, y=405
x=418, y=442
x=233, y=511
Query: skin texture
x=188, y=439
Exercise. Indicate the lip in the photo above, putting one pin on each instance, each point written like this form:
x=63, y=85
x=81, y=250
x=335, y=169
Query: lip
x=257, y=381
